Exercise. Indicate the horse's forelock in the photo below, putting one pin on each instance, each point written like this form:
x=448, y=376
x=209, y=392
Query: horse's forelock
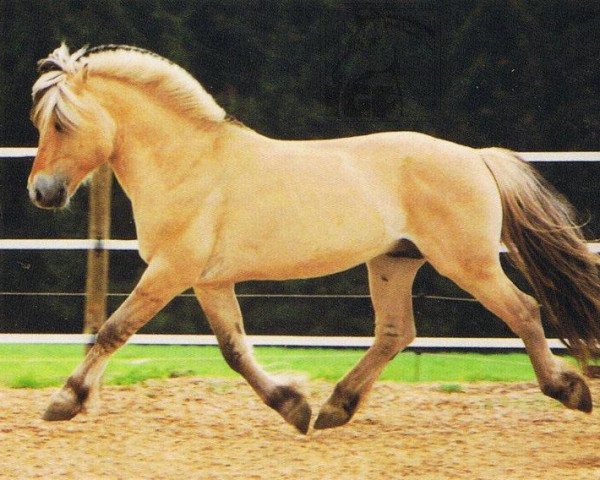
x=48, y=65
x=51, y=93
x=62, y=60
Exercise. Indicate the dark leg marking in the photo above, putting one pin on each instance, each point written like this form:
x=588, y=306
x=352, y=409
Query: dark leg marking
x=281, y=395
x=82, y=392
x=350, y=402
x=232, y=355
x=110, y=337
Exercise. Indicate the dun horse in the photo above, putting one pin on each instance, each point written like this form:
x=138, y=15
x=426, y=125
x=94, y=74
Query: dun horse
x=216, y=203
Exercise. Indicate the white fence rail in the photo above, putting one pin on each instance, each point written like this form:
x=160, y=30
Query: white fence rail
x=30, y=152
x=420, y=343
x=261, y=340
x=66, y=244
x=18, y=152
x=88, y=244
x=112, y=244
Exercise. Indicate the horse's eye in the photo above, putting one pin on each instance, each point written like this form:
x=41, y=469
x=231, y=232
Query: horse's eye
x=58, y=127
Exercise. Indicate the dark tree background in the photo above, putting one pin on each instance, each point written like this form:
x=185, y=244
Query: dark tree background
x=513, y=73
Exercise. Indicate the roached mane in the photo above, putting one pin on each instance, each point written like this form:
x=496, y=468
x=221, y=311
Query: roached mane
x=53, y=95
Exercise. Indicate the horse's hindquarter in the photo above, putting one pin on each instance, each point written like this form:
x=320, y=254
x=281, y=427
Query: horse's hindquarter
x=453, y=208
x=304, y=209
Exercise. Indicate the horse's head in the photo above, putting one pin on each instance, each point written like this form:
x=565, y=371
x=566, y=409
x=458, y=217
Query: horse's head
x=76, y=132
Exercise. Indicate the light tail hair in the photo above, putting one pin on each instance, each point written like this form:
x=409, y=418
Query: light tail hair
x=547, y=245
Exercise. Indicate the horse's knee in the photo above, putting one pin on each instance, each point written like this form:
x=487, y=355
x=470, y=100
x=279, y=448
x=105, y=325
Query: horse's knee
x=391, y=344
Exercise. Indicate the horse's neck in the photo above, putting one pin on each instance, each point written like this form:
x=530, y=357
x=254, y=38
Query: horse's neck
x=158, y=154
x=153, y=142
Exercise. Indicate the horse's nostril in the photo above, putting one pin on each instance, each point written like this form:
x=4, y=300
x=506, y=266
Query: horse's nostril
x=49, y=192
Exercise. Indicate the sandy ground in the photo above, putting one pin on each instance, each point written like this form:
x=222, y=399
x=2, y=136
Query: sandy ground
x=194, y=428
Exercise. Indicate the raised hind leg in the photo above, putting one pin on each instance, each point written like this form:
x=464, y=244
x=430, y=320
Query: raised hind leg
x=390, y=283
x=455, y=217
x=154, y=290
x=486, y=281
x=223, y=312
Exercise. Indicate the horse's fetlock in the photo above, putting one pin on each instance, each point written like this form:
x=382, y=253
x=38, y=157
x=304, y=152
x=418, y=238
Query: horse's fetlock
x=347, y=399
x=282, y=395
x=79, y=388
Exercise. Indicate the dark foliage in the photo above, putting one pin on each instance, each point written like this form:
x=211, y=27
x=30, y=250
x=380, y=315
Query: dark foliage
x=519, y=74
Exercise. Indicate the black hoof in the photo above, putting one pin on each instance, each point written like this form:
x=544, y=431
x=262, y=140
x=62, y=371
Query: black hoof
x=572, y=392
x=338, y=410
x=60, y=413
x=61, y=409
x=331, y=417
x=292, y=406
x=300, y=417
x=67, y=402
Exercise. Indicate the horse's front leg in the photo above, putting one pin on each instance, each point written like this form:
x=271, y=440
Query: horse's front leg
x=154, y=290
x=390, y=283
x=223, y=312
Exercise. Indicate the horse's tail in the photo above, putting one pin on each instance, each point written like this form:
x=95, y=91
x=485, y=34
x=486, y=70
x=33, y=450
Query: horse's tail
x=548, y=247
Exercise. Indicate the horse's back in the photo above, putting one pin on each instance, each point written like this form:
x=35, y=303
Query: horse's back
x=430, y=179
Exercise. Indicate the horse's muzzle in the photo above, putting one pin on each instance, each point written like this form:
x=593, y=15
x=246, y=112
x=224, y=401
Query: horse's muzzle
x=48, y=191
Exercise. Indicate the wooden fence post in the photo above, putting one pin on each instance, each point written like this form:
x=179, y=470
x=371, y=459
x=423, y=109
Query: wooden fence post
x=97, y=261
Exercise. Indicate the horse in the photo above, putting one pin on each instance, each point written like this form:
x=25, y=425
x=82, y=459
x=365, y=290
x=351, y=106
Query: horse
x=216, y=203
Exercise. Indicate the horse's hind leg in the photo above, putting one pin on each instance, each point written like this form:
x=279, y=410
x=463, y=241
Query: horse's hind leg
x=223, y=312
x=390, y=283
x=487, y=282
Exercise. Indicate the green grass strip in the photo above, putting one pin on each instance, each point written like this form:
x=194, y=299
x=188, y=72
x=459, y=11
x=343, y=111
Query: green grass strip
x=37, y=366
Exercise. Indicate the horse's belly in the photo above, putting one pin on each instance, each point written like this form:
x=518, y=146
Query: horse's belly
x=310, y=219
x=294, y=267
x=285, y=257
x=276, y=267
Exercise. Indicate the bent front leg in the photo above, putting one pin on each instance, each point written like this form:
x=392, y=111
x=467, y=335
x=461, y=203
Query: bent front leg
x=154, y=290
x=224, y=315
